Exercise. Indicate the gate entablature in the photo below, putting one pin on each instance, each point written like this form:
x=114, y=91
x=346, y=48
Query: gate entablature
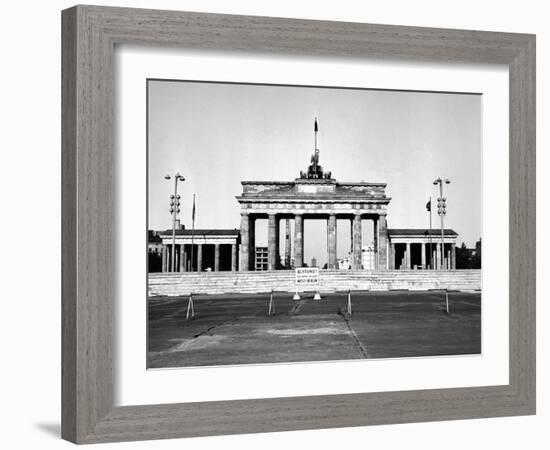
x=316, y=196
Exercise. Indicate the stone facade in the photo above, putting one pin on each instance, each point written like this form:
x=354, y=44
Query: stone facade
x=394, y=249
x=315, y=198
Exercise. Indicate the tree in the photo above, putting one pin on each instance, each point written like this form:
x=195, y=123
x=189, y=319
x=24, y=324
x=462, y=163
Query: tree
x=463, y=257
x=476, y=257
x=468, y=258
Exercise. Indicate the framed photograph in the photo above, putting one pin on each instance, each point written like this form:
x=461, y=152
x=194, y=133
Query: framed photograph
x=278, y=224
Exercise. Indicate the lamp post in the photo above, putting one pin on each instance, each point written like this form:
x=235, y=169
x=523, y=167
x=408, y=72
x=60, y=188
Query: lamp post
x=174, y=210
x=441, y=211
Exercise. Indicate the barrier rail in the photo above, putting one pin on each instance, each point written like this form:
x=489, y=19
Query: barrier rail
x=190, y=309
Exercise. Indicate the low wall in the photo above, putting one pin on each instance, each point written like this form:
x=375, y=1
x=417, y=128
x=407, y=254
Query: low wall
x=176, y=284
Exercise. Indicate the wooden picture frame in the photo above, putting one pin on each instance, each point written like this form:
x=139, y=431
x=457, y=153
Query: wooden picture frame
x=89, y=37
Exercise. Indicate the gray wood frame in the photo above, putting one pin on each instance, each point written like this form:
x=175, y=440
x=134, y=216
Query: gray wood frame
x=89, y=36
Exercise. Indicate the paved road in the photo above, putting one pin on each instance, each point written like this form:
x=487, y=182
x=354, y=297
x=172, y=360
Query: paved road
x=235, y=329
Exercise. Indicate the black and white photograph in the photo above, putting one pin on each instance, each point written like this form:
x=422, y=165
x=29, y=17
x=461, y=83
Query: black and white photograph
x=261, y=225
x=300, y=223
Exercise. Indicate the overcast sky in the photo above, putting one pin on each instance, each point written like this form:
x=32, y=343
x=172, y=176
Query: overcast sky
x=219, y=134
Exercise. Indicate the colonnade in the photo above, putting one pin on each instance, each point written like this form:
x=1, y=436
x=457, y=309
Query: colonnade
x=183, y=261
x=248, y=238
x=439, y=259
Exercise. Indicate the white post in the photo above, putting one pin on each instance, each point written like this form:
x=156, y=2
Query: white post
x=271, y=309
x=190, y=308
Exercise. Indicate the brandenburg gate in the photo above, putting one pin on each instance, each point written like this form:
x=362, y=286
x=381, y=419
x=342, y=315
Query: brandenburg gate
x=314, y=195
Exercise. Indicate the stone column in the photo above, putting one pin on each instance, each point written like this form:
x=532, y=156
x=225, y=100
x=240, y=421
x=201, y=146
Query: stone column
x=375, y=236
x=453, y=257
x=298, y=240
x=392, y=257
x=245, y=242
x=233, y=257
x=382, y=243
x=277, y=242
x=351, y=240
x=272, y=241
x=327, y=243
x=182, y=258
x=287, y=243
x=408, y=256
x=357, y=244
x=423, y=246
x=164, y=258
x=332, y=244
x=199, y=258
x=216, y=257
x=252, y=242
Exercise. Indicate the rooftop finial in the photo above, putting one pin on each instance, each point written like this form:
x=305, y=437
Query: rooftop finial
x=316, y=129
x=315, y=171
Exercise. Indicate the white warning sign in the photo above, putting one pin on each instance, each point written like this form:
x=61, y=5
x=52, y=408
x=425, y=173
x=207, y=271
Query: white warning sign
x=307, y=276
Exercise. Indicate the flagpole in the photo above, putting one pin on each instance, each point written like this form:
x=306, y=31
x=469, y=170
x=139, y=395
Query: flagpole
x=315, y=129
x=192, y=232
x=430, y=236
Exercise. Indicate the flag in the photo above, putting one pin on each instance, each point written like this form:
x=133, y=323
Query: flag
x=193, y=213
x=429, y=205
x=316, y=127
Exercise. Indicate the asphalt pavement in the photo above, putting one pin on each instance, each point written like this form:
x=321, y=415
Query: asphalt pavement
x=236, y=329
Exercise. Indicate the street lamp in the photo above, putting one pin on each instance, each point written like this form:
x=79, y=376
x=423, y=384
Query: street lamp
x=441, y=211
x=174, y=210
